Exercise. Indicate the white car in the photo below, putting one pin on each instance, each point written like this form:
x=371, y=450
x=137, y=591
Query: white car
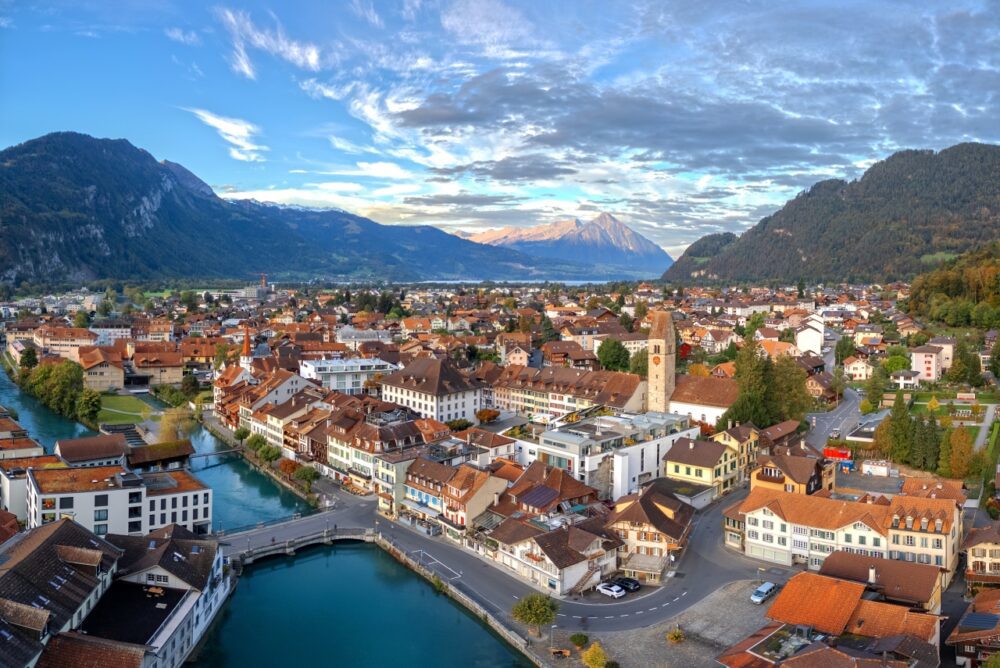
x=614, y=591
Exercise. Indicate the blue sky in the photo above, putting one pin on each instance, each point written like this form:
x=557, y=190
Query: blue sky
x=681, y=118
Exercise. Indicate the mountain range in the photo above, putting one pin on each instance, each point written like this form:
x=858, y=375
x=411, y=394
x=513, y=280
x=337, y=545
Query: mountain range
x=906, y=214
x=75, y=208
x=603, y=241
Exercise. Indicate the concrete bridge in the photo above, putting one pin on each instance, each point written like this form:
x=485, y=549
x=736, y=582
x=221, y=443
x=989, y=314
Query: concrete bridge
x=285, y=536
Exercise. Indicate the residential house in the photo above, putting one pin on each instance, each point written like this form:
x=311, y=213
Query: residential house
x=858, y=369
x=89, y=451
x=926, y=360
x=466, y=496
x=711, y=463
x=906, y=583
x=793, y=473
x=653, y=526
x=982, y=558
x=161, y=368
x=975, y=636
x=423, y=491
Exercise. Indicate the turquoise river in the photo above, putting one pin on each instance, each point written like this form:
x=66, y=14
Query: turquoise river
x=347, y=605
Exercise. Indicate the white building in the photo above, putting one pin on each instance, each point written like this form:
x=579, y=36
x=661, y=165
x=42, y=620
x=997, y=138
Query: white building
x=612, y=454
x=109, y=331
x=435, y=389
x=345, y=375
x=110, y=499
x=809, y=336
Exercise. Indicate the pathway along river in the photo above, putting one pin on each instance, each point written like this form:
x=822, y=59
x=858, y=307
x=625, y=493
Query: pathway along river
x=348, y=605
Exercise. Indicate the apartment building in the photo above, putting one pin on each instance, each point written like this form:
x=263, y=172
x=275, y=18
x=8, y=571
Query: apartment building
x=435, y=389
x=788, y=528
x=110, y=499
x=348, y=376
x=63, y=341
x=927, y=362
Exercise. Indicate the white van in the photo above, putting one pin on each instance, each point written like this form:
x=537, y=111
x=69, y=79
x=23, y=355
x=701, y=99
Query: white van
x=763, y=592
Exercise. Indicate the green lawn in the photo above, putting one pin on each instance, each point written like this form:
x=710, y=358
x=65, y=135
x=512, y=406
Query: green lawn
x=122, y=409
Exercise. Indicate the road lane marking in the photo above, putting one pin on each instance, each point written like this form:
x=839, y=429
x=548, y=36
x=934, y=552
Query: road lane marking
x=654, y=609
x=624, y=614
x=577, y=617
x=610, y=617
x=677, y=598
x=560, y=615
x=638, y=612
x=683, y=593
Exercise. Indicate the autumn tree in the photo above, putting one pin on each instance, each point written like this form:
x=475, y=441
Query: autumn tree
x=175, y=423
x=594, y=656
x=487, y=415
x=882, y=440
x=961, y=453
x=535, y=611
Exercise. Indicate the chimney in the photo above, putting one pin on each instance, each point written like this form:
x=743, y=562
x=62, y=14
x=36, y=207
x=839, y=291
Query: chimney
x=496, y=498
x=872, y=576
x=691, y=445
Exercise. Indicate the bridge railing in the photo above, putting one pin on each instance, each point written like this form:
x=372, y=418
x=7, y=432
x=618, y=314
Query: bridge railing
x=311, y=538
x=268, y=523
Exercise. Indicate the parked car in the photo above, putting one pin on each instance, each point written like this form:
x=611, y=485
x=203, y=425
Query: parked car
x=763, y=592
x=628, y=584
x=612, y=590
x=834, y=433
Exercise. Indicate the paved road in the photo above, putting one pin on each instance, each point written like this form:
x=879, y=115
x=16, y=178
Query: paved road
x=704, y=567
x=844, y=417
x=988, y=417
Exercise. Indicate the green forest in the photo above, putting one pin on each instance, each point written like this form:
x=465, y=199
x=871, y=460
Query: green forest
x=964, y=292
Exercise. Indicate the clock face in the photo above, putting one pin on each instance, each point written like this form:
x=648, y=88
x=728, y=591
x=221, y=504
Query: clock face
x=656, y=359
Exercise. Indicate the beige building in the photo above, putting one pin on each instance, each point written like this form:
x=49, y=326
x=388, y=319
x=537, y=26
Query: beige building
x=63, y=341
x=103, y=369
x=163, y=368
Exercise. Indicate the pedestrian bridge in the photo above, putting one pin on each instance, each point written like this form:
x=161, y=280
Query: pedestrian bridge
x=283, y=537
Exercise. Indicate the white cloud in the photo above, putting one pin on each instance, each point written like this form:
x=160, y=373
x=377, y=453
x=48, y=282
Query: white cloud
x=366, y=11
x=238, y=133
x=245, y=34
x=5, y=22
x=188, y=37
x=487, y=23
x=381, y=170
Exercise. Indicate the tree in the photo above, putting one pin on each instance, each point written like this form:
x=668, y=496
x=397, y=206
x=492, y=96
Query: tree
x=613, y=355
x=29, y=359
x=535, y=611
x=866, y=407
x=876, y=386
x=579, y=639
x=487, y=415
x=594, y=656
x=641, y=309
x=839, y=382
x=307, y=475
x=88, y=406
x=256, y=442
x=175, y=423
x=900, y=430
x=844, y=349
x=221, y=354
x=639, y=363
x=754, y=322
x=787, y=396
x=548, y=331
x=241, y=434
x=944, y=454
x=269, y=453
x=801, y=289
x=460, y=424
x=190, y=385
x=81, y=319
x=752, y=375
x=882, y=440
x=698, y=370
x=933, y=405
x=288, y=466
x=896, y=363
x=960, y=457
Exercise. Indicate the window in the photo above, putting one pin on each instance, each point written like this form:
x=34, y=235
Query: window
x=101, y=500
x=101, y=529
x=135, y=526
x=66, y=503
x=101, y=515
x=135, y=497
x=48, y=504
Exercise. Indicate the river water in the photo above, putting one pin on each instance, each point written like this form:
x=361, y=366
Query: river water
x=346, y=605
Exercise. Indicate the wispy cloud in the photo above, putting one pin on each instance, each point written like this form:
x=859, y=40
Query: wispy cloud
x=5, y=22
x=366, y=11
x=245, y=35
x=378, y=170
x=187, y=37
x=238, y=133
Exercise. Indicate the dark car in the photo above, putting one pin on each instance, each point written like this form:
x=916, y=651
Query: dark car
x=628, y=584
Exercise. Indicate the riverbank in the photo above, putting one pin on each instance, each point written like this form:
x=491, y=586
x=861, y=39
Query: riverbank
x=510, y=635
x=221, y=433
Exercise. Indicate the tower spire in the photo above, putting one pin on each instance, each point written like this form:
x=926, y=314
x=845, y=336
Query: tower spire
x=246, y=359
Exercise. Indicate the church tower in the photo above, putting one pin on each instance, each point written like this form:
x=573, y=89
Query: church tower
x=662, y=350
x=246, y=357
